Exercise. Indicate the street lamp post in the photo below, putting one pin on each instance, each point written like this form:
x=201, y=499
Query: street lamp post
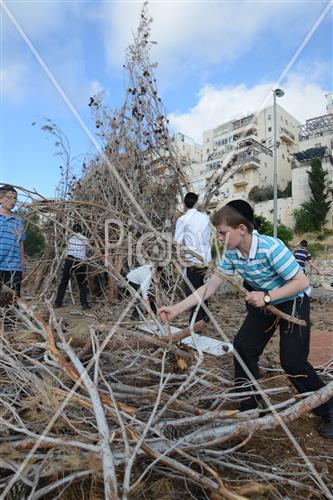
x=276, y=93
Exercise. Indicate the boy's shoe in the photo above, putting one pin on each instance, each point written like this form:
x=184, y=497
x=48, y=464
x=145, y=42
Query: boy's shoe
x=56, y=306
x=326, y=426
x=85, y=307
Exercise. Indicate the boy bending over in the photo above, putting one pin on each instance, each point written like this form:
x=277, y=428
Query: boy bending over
x=275, y=277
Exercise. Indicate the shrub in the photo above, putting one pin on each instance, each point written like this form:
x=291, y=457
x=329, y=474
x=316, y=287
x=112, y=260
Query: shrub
x=325, y=234
x=35, y=241
x=315, y=248
x=284, y=233
x=303, y=223
x=264, y=193
x=258, y=194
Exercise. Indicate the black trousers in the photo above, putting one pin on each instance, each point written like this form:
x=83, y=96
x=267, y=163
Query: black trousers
x=253, y=336
x=13, y=280
x=196, y=277
x=77, y=267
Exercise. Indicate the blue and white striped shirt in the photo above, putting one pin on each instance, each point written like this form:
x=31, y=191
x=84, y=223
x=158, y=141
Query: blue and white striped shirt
x=11, y=234
x=270, y=265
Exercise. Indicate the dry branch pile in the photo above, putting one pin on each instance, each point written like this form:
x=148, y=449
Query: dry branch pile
x=127, y=416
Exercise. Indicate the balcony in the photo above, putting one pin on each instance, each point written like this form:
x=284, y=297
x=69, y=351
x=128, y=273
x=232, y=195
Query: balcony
x=240, y=182
x=287, y=136
x=248, y=122
x=252, y=163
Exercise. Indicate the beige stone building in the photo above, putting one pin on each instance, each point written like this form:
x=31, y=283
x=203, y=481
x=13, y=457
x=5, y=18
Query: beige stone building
x=247, y=141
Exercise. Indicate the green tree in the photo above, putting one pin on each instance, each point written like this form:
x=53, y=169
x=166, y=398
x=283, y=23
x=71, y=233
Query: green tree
x=35, y=242
x=313, y=212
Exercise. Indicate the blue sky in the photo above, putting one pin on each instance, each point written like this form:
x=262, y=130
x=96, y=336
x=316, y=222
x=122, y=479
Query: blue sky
x=216, y=59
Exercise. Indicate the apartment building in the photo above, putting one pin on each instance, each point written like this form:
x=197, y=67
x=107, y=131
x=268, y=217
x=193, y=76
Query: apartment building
x=237, y=155
x=246, y=142
x=187, y=150
x=315, y=141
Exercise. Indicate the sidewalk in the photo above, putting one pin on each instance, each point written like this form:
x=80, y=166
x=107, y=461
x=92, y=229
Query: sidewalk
x=321, y=347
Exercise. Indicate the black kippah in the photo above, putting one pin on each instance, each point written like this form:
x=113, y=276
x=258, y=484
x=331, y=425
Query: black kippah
x=243, y=208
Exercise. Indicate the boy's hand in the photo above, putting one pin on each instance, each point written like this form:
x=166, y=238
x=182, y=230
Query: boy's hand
x=255, y=299
x=167, y=313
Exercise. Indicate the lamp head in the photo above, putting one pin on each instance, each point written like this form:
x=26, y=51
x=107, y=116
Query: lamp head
x=278, y=92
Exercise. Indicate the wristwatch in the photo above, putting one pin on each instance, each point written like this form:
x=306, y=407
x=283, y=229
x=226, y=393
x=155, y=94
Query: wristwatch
x=267, y=299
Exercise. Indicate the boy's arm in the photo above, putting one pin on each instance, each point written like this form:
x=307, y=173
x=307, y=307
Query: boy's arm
x=201, y=294
x=297, y=284
x=314, y=266
x=179, y=231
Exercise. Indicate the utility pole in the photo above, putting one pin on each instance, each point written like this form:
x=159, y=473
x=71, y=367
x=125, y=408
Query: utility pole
x=276, y=93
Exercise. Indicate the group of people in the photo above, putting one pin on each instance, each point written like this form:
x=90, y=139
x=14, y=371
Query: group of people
x=271, y=274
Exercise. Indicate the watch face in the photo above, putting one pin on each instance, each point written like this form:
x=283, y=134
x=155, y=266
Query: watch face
x=267, y=299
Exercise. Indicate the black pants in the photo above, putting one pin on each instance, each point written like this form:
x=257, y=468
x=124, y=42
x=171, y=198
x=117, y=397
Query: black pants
x=13, y=280
x=255, y=333
x=196, y=277
x=77, y=267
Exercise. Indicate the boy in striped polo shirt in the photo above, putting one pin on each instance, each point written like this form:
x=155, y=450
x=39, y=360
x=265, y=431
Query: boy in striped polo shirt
x=303, y=256
x=12, y=235
x=275, y=277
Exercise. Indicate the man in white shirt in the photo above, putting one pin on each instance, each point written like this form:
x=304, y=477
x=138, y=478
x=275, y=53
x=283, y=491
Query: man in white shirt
x=75, y=263
x=140, y=279
x=193, y=230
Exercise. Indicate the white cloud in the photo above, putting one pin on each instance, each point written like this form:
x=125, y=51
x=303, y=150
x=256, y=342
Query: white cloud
x=37, y=19
x=23, y=81
x=303, y=99
x=14, y=80
x=55, y=30
x=199, y=34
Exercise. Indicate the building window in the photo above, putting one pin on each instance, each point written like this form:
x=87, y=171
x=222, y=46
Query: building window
x=283, y=156
x=269, y=117
x=207, y=150
x=269, y=129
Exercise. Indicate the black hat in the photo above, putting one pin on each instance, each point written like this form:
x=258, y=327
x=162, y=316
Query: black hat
x=243, y=208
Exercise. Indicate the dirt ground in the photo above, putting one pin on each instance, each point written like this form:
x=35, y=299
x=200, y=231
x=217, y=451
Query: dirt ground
x=274, y=447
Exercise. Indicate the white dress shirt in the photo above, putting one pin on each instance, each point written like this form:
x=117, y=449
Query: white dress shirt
x=193, y=230
x=141, y=276
x=77, y=246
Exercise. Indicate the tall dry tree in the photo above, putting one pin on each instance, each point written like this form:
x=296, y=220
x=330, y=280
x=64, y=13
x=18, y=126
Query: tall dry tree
x=136, y=141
